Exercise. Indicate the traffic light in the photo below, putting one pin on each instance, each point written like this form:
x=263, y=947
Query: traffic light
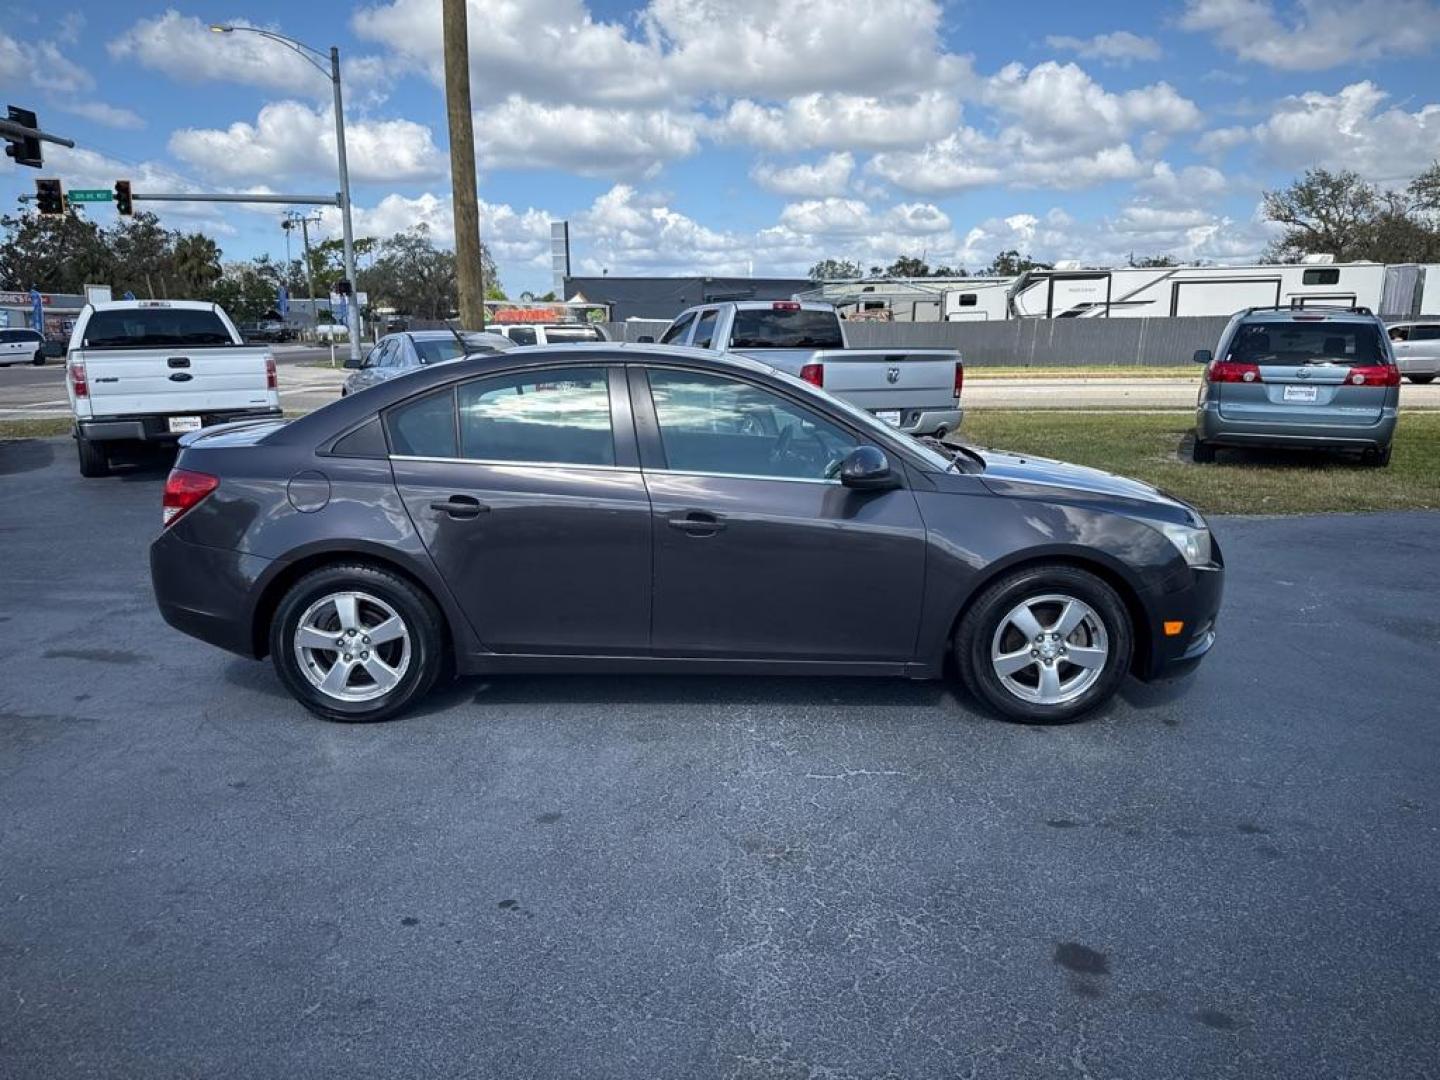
x=49, y=197
x=23, y=148
x=123, y=204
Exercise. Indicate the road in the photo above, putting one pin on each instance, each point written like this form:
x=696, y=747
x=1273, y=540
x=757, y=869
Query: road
x=694, y=877
x=306, y=384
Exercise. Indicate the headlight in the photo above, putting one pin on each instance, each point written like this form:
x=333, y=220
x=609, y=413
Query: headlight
x=1192, y=543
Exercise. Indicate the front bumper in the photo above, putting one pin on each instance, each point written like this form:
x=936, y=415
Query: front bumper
x=1195, y=604
x=156, y=428
x=928, y=421
x=208, y=593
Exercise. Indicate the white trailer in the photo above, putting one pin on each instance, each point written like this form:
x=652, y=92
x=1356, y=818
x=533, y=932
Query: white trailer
x=979, y=300
x=1136, y=292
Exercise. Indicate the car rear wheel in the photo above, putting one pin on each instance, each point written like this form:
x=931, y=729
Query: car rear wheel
x=356, y=643
x=94, y=459
x=1376, y=459
x=1045, y=645
x=1420, y=379
x=39, y=358
x=1202, y=453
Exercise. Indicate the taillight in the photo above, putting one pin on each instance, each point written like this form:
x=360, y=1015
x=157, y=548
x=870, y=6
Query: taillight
x=814, y=374
x=77, y=379
x=1232, y=371
x=1374, y=375
x=271, y=382
x=959, y=379
x=183, y=490
x=785, y=305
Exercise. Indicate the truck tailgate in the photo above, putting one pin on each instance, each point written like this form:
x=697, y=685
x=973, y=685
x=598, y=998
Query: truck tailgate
x=176, y=380
x=891, y=378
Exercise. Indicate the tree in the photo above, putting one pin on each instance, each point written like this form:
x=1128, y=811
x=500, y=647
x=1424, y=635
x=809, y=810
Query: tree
x=1323, y=212
x=834, y=270
x=907, y=266
x=53, y=254
x=1011, y=263
x=413, y=276
x=1152, y=261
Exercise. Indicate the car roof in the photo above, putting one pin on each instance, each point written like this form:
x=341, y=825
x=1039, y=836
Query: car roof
x=446, y=335
x=1309, y=314
x=134, y=305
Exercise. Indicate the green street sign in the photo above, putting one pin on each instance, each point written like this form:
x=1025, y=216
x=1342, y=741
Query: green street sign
x=90, y=195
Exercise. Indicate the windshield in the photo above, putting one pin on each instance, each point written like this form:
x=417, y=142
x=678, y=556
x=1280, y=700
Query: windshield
x=1302, y=343
x=769, y=328
x=140, y=328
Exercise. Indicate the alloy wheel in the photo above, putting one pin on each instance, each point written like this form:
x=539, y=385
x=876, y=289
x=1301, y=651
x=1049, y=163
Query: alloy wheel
x=352, y=646
x=1049, y=649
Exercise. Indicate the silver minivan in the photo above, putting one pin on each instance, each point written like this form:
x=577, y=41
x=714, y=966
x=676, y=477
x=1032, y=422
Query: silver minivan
x=21, y=346
x=1299, y=377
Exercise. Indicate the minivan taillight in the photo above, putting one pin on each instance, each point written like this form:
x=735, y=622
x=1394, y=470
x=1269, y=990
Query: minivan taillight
x=1232, y=371
x=814, y=374
x=271, y=382
x=1374, y=375
x=959, y=379
x=184, y=490
x=77, y=379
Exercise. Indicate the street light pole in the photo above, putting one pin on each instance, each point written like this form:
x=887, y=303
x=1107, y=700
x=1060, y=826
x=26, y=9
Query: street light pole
x=314, y=57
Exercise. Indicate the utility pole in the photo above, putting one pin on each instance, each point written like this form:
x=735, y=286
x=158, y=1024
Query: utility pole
x=293, y=218
x=464, y=198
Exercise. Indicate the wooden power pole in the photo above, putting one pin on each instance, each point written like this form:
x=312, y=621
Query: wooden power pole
x=468, y=271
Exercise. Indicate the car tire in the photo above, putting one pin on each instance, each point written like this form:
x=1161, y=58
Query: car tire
x=39, y=358
x=359, y=687
x=1376, y=459
x=991, y=649
x=1421, y=380
x=1201, y=452
x=94, y=460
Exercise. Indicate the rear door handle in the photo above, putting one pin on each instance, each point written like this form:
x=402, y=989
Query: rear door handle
x=459, y=506
x=696, y=523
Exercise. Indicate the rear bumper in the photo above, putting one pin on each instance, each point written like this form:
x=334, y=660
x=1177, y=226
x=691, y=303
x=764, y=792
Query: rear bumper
x=924, y=421
x=1195, y=605
x=1214, y=428
x=155, y=427
x=208, y=593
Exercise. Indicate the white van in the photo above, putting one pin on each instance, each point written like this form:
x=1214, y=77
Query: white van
x=546, y=333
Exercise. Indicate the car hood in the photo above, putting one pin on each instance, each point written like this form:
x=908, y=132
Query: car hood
x=1025, y=475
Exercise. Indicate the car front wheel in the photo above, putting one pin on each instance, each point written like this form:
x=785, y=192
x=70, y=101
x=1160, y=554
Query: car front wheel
x=1045, y=645
x=356, y=643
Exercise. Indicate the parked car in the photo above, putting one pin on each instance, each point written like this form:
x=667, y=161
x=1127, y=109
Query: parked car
x=396, y=354
x=1321, y=378
x=916, y=390
x=623, y=508
x=547, y=333
x=1417, y=349
x=147, y=371
x=21, y=346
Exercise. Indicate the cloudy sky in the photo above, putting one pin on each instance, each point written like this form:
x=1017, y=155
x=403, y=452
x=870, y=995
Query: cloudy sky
x=725, y=136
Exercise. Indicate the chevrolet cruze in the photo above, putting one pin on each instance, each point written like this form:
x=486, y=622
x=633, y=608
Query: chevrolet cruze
x=617, y=508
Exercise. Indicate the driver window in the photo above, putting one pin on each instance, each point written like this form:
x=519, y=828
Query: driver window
x=713, y=424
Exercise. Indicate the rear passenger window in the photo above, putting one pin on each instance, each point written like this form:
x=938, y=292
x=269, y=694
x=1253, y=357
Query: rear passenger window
x=705, y=330
x=424, y=427
x=559, y=417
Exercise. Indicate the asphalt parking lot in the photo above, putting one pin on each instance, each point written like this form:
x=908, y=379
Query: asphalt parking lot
x=671, y=877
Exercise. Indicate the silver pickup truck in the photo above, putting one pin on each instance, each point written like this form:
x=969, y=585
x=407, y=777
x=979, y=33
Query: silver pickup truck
x=917, y=390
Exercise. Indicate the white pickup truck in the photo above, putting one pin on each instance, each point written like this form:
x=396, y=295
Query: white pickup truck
x=917, y=390
x=151, y=370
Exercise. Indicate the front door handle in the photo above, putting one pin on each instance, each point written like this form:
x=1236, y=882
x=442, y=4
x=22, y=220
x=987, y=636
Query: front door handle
x=696, y=523
x=459, y=506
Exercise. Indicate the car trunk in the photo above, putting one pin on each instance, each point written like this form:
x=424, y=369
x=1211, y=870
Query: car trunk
x=1302, y=394
x=175, y=379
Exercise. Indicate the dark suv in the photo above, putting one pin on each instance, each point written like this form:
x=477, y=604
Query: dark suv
x=1305, y=377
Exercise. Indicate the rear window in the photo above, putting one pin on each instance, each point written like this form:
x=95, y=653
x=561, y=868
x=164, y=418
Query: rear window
x=141, y=328
x=1307, y=343
x=767, y=328
x=437, y=351
x=555, y=334
x=1424, y=333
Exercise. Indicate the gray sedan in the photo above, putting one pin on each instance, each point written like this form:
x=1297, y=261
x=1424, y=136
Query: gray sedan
x=396, y=354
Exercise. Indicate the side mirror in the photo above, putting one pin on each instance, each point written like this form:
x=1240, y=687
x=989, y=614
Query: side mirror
x=354, y=362
x=866, y=468
x=645, y=339
x=1203, y=356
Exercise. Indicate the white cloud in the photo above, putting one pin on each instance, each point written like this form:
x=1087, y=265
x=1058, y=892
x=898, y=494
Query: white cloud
x=1317, y=34
x=828, y=176
x=1350, y=130
x=290, y=139
x=185, y=48
x=1195, y=183
x=1121, y=47
x=109, y=115
x=841, y=120
x=1222, y=140
x=584, y=140
x=40, y=65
